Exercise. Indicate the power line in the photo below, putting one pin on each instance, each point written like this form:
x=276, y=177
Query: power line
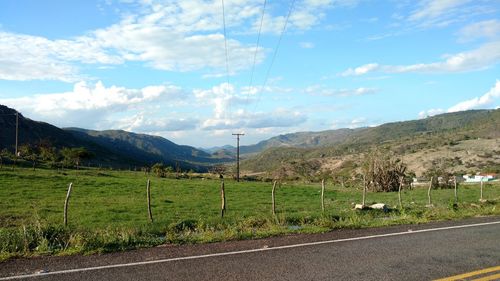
x=255, y=53
x=227, y=61
x=274, y=55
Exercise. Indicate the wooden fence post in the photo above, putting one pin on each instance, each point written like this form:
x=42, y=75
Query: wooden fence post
x=148, y=194
x=223, y=199
x=429, y=204
x=399, y=193
x=273, y=198
x=323, y=195
x=456, y=195
x=66, y=203
x=481, y=199
x=364, y=191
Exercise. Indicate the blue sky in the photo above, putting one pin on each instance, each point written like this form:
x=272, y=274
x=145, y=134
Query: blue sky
x=160, y=67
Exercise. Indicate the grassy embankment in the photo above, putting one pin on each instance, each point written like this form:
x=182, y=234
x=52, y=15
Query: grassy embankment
x=108, y=211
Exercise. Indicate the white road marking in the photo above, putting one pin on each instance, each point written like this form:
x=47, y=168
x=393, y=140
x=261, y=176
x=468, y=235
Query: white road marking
x=244, y=251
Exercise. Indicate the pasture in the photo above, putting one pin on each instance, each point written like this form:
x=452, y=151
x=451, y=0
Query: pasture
x=108, y=210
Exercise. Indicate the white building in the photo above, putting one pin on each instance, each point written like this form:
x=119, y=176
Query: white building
x=479, y=178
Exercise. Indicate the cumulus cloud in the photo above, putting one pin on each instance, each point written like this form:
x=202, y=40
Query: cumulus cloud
x=430, y=112
x=320, y=90
x=489, y=29
x=483, y=57
x=26, y=57
x=360, y=70
x=147, y=124
x=242, y=119
x=479, y=102
x=172, y=36
x=89, y=104
x=229, y=109
x=484, y=101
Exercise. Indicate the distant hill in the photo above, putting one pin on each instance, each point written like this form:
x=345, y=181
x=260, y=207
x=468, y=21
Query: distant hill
x=301, y=140
x=214, y=149
x=479, y=123
x=147, y=148
x=113, y=147
x=400, y=137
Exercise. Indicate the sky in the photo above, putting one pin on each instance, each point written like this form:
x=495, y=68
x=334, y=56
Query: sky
x=196, y=71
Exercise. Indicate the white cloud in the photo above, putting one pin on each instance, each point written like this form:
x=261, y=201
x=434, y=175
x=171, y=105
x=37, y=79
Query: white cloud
x=430, y=112
x=26, y=57
x=229, y=109
x=87, y=105
x=165, y=35
x=489, y=29
x=278, y=118
x=306, y=45
x=479, y=102
x=483, y=57
x=432, y=10
x=149, y=124
x=483, y=101
x=442, y=13
x=305, y=15
x=360, y=70
x=325, y=91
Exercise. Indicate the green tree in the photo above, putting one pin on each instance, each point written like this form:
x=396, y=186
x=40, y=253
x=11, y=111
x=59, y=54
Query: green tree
x=29, y=152
x=159, y=170
x=74, y=156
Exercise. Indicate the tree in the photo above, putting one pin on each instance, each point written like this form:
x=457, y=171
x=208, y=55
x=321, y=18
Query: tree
x=159, y=170
x=442, y=177
x=74, y=156
x=49, y=154
x=29, y=153
x=383, y=172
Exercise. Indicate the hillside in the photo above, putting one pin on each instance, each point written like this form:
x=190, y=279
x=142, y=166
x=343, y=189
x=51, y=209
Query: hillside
x=148, y=148
x=111, y=148
x=422, y=137
x=479, y=123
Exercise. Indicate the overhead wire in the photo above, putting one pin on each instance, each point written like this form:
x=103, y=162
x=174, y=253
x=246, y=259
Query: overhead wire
x=227, y=60
x=255, y=53
x=274, y=55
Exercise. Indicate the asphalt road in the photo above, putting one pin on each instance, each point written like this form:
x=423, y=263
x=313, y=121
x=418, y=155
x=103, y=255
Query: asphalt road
x=422, y=252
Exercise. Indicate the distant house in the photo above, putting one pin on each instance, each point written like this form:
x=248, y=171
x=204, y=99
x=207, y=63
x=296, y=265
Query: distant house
x=480, y=178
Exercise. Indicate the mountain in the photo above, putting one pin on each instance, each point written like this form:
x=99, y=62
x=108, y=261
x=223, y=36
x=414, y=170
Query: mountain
x=112, y=147
x=484, y=123
x=301, y=140
x=423, y=136
x=218, y=148
x=149, y=149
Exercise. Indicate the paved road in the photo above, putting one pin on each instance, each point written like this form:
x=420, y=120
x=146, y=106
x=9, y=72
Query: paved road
x=393, y=253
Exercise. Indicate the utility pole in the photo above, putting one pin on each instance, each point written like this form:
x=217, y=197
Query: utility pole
x=17, y=130
x=238, y=155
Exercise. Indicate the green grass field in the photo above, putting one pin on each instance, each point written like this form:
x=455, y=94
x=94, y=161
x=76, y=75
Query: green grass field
x=108, y=210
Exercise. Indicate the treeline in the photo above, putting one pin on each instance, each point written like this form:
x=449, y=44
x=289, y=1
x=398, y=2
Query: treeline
x=53, y=157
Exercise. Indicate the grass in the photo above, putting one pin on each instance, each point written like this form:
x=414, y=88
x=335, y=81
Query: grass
x=108, y=211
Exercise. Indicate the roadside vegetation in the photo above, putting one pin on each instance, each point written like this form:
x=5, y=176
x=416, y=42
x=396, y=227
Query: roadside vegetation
x=108, y=210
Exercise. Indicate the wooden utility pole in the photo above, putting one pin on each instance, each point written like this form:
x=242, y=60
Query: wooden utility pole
x=17, y=136
x=238, y=155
